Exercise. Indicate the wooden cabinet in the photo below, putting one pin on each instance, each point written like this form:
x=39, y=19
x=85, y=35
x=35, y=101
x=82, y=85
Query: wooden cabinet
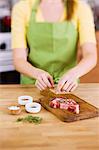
x=93, y=76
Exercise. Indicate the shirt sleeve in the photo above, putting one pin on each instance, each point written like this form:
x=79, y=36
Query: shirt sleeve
x=18, y=26
x=86, y=25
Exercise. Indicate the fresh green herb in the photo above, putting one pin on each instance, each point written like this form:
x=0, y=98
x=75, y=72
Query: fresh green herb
x=19, y=119
x=30, y=119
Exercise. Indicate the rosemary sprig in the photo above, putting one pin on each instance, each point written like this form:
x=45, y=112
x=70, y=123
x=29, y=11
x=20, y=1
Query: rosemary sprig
x=30, y=119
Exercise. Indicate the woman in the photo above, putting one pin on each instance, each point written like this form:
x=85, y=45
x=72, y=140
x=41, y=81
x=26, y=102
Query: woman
x=52, y=29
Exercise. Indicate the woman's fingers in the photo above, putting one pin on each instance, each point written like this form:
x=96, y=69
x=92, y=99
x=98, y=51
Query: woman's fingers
x=39, y=86
x=62, y=82
x=60, y=85
x=40, y=80
x=71, y=87
x=44, y=81
x=74, y=87
x=66, y=85
x=51, y=81
x=48, y=80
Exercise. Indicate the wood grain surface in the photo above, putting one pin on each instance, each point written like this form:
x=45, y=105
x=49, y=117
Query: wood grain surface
x=51, y=134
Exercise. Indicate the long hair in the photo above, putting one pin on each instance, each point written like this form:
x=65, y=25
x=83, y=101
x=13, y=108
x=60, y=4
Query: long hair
x=70, y=8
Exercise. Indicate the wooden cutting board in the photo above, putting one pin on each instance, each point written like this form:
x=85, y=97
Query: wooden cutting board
x=86, y=110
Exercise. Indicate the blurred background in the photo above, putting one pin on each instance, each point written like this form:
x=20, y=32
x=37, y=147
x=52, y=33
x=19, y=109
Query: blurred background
x=8, y=75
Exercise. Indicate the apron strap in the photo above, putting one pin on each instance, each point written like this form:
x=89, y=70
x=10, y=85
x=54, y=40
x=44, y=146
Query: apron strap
x=35, y=6
x=34, y=9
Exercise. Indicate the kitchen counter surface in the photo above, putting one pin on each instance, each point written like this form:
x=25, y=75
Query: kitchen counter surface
x=51, y=134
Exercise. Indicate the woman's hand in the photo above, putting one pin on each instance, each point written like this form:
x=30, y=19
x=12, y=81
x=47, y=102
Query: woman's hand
x=68, y=82
x=43, y=80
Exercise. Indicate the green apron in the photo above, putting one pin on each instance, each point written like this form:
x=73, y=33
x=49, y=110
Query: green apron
x=53, y=46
